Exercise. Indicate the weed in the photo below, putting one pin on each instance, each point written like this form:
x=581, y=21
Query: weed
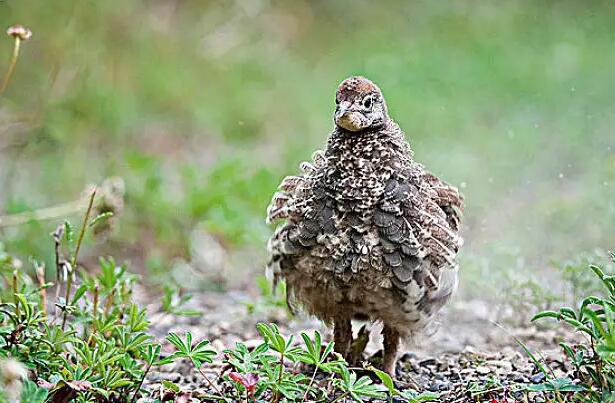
x=261, y=373
x=19, y=34
x=95, y=346
x=198, y=354
x=173, y=302
x=579, y=279
x=594, y=363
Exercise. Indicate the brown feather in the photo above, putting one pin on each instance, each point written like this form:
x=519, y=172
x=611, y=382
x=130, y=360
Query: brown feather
x=369, y=232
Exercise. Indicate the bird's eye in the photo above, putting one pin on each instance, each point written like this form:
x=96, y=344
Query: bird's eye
x=367, y=103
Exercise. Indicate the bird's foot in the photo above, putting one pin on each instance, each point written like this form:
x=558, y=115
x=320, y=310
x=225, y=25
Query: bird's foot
x=389, y=368
x=357, y=347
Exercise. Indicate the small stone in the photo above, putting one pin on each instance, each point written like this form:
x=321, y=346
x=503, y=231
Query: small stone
x=442, y=385
x=504, y=365
x=537, y=378
x=429, y=361
x=408, y=357
x=164, y=376
x=518, y=378
x=218, y=345
x=482, y=370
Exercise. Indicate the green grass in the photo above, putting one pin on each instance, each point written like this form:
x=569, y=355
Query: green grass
x=94, y=343
x=203, y=108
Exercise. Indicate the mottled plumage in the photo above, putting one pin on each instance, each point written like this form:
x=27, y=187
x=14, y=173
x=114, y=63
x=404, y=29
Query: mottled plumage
x=368, y=232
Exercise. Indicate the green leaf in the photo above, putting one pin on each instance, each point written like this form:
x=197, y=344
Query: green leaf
x=385, y=378
x=79, y=293
x=174, y=339
x=557, y=385
x=100, y=217
x=568, y=312
x=171, y=386
x=546, y=314
x=608, y=281
x=197, y=354
x=578, y=326
x=532, y=356
x=32, y=393
x=69, y=235
x=414, y=397
x=599, y=333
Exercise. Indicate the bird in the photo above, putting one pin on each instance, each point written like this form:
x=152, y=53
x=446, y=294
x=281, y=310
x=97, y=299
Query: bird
x=366, y=232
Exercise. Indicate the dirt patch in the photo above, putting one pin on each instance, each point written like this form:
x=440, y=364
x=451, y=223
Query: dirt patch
x=470, y=358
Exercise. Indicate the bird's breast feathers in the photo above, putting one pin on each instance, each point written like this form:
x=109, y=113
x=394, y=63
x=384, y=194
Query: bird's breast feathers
x=363, y=215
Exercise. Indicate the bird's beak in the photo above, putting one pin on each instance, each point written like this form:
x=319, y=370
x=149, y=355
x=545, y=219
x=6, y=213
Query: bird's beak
x=342, y=109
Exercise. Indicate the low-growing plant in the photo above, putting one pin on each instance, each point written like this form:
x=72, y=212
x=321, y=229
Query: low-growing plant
x=198, y=354
x=594, y=362
x=94, y=344
x=173, y=302
x=578, y=278
x=87, y=341
x=408, y=395
x=557, y=388
x=268, y=372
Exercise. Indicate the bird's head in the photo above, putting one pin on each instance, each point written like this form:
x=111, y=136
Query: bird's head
x=359, y=105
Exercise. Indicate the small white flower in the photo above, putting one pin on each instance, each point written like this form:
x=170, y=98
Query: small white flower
x=19, y=31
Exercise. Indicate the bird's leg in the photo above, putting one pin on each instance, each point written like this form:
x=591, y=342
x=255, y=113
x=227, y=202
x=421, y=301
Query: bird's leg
x=342, y=336
x=391, y=345
x=357, y=348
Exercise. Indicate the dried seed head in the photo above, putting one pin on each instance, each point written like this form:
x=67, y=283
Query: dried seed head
x=12, y=369
x=58, y=234
x=17, y=264
x=66, y=269
x=19, y=31
x=13, y=373
x=110, y=200
x=112, y=195
x=40, y=270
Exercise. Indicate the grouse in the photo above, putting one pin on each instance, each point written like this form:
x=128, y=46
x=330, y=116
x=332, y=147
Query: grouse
x=367, y=233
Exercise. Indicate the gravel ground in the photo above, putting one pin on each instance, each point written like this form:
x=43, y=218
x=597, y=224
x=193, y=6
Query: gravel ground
x=470, y=359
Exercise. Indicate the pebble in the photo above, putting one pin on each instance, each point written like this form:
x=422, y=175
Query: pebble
x=449, y=374
x=537, y=378
x=482, y=370
x=430, y=361
x=163, y=376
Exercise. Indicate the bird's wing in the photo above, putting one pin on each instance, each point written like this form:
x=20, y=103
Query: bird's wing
x=448, y=198
x=418, y=237
x=295, y=192
x=302, y=203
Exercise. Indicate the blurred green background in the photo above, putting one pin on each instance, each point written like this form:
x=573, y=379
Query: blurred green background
x=203, y=106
